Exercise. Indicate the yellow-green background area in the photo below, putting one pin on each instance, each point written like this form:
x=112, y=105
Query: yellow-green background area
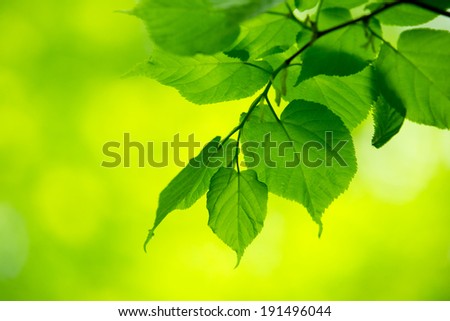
x=71, y=229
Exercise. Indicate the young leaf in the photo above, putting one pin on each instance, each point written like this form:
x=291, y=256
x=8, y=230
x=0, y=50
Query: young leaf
x=265, y=35
x=349, y=97
x=415, y=76
x=207, y=79
x=298, y=158
x=193, y=181
x=197, y=26
x=237, y=205
x=388, y=122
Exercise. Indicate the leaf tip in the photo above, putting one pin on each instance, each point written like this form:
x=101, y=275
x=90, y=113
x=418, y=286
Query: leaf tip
x=239, y=257
x=319, y=222
x=239, y=254
x=147, y=240
x=377, y=143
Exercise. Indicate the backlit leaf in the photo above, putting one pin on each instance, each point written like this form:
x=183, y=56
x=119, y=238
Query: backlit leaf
x=296, y=159
x=197, y=26
x=349, y=97
x=405, y=15
x=193, y=181
x=414, y=76
x=388, y=122
x=265, y=35
x=207, y=79
x=237, y=205
x=340, y=53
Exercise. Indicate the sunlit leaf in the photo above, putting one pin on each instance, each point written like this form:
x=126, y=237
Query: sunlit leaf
x=265, y=35
x=414, y=76
x=388, y=122
x=405, y=15
x=340, y=53
x=207, y=79
x=301, y=166
x=197, y=26
x=349, y=97
x=237, y=205
x=193, y=181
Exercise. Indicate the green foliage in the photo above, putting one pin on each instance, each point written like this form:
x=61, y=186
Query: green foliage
x=207, y=79
x=349, y=4
x=332, y=17
x=349, y=97
x=265, y=35
x=197, y=26
x=388, y=122
x=290, y=174
x=237, y=204
x=193, y=181
x=305, y=4
x=405, y=15
x=340, y=53
x=331, y=68
x=414, y=76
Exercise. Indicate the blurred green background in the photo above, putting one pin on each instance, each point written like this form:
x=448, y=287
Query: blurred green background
x=71, y=229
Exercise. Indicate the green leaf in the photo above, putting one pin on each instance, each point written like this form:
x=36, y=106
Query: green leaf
x=388, y=122
x=244, y=9
x=332, y=17
x=349, y=97
x=348, y=4
x=193, y=181
x=207, y=79
x=405, y=15
x=414, y=76
x=297, y=160
x=303, y=5
x=237, y=205
x=197, y=26
x=265, y=35
x=341, y=53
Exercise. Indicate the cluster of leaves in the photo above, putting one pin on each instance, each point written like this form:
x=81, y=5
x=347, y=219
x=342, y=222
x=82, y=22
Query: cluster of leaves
x=326, y=60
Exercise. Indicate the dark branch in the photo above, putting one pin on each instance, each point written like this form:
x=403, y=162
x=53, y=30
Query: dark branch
x=429, y=8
